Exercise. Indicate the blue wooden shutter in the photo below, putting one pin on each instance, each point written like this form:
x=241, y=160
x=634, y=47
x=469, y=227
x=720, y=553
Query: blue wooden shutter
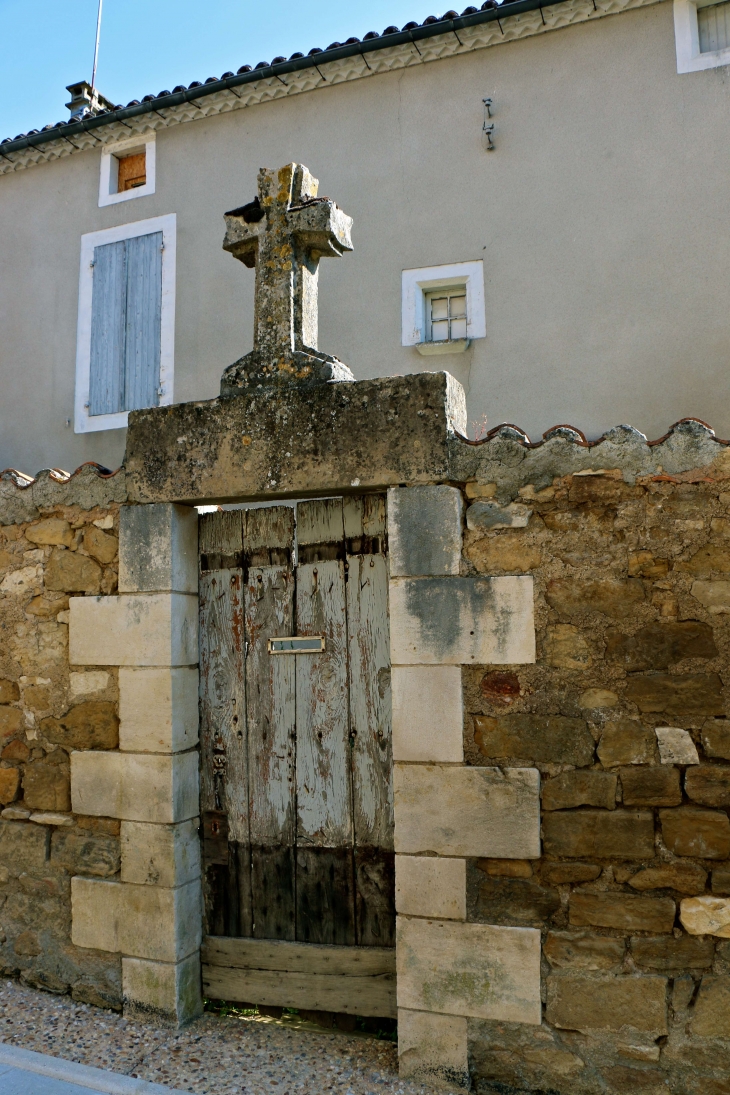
x=142, y=327
x=108, y=308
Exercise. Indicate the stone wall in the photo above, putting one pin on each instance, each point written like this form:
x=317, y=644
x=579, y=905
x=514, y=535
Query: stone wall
x=624, y=714
x=52, y=550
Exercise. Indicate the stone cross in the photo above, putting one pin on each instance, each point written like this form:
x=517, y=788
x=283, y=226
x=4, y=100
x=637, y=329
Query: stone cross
x=284, y=232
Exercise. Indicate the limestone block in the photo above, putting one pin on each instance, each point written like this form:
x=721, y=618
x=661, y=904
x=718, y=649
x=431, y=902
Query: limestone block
x=708, y=784
x=428, y=713
x=141, y=921
x=715, y=738
x=147, y=629
x=477, y=970
x=462, y=621
x=583, y=950
x=692, y=831
x=671, y=694
x=424, y=530
x=158, y=549
x=580, y=789
x=715, y=596
x=659, y=645
x=100, y=545
x=626, y=742
x=135, y=787
x=164, y=990
x=92, y=725
x=622, y=911
x=681, y=875
x=549, y=739
x=676, y=746
x=712, y=1010
x=706, y=916
x=433, y=1048
x=492, y=515
x=160, y=855
x=72, y=573
x=489, y=812
x=625, y=834
x=576, y=1002
x=429, y=886
x=665, y=953
x=656, y=786
x=158, y=709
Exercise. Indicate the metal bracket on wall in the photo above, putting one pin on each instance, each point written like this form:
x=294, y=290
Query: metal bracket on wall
x=488, y=127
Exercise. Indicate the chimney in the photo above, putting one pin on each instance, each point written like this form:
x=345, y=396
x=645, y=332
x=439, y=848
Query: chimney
x=86, y=101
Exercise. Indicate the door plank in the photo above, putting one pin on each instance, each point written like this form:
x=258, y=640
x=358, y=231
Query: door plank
x=320, y=522
x=269, y=535
x=370, y=705
x=220, y=540
x=324, y=805
x=375, y=897
x=274, y=954
x=370, y=995
x=326, y=896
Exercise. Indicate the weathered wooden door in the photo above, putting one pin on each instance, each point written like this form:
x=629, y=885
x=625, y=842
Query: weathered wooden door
x=296, y=787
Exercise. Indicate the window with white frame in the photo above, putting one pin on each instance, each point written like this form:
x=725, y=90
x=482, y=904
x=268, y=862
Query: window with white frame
x=702, y=34
x=126, y=325
x=443, y=307
x=127, y=170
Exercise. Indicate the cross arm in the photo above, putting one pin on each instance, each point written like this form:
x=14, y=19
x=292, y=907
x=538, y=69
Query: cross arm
x=321, y=228
x=242, y=232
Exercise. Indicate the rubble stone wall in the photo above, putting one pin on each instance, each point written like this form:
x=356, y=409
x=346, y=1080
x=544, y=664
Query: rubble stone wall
x=624, y=713
x=53, y=548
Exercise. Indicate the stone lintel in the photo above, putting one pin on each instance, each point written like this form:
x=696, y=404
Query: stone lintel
x=158, y=549
x=160, y=855
x=433, y=1048
x=473, y=970
x=430, y=886
x=428, y=713
x=158, y=709
x=456, y=811
x=134, y=629
x=281, y=442
x=454, y=620
x=135, y=787
x=140, y=921
x=170, y=991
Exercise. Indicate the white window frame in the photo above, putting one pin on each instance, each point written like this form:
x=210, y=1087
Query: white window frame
x=83, y=421
x=415, y=284
x=109, y=169
x=687, y=39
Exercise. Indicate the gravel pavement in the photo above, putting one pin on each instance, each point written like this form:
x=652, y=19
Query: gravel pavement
x=212, y=1056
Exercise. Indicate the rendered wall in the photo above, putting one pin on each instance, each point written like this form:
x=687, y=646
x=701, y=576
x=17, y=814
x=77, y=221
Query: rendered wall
x=606, y=280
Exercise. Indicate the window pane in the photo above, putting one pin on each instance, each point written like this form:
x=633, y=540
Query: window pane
x=714, y=26
x=458, y=328
x=458, y=307
x=440, y=331
x=439, y=308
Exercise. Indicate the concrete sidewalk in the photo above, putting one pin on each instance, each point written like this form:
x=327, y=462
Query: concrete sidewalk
x=25, y=1073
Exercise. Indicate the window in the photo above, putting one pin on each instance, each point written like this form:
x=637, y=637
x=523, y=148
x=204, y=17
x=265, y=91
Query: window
x=126, y=322
x=445, y=315
x=443, y=307
x=127, y=170
x=702, y=34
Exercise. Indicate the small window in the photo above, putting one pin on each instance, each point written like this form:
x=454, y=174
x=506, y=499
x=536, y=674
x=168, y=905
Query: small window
x=131, y=172
x=713, y=24
x=127, y=170
x=701, y=34
x=124, y=357
x=442, y=307
x=446, y=315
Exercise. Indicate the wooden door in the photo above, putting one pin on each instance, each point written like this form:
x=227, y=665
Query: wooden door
x=296, y=788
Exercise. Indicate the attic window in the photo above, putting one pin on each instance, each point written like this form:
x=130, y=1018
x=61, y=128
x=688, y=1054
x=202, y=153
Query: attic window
x=127, y=170
x=132, y=172
x=713, y=24
x=443, y=307
x=701, y=34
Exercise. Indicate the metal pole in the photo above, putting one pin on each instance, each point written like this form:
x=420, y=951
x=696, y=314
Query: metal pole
x=96, y=47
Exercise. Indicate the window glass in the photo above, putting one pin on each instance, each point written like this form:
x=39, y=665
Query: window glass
x=446, y=311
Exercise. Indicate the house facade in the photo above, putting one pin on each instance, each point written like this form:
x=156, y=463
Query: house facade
x=557, y=249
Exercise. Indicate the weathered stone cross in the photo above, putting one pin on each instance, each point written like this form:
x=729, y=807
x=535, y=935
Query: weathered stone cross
x=284, y=232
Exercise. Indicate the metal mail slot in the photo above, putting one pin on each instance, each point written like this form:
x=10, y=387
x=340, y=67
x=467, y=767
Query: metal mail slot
x=297, y=644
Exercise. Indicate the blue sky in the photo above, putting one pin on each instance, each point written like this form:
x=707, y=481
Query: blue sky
x=150, y=45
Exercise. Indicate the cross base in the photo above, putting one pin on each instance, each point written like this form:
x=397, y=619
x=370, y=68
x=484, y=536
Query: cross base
x=298, y=368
